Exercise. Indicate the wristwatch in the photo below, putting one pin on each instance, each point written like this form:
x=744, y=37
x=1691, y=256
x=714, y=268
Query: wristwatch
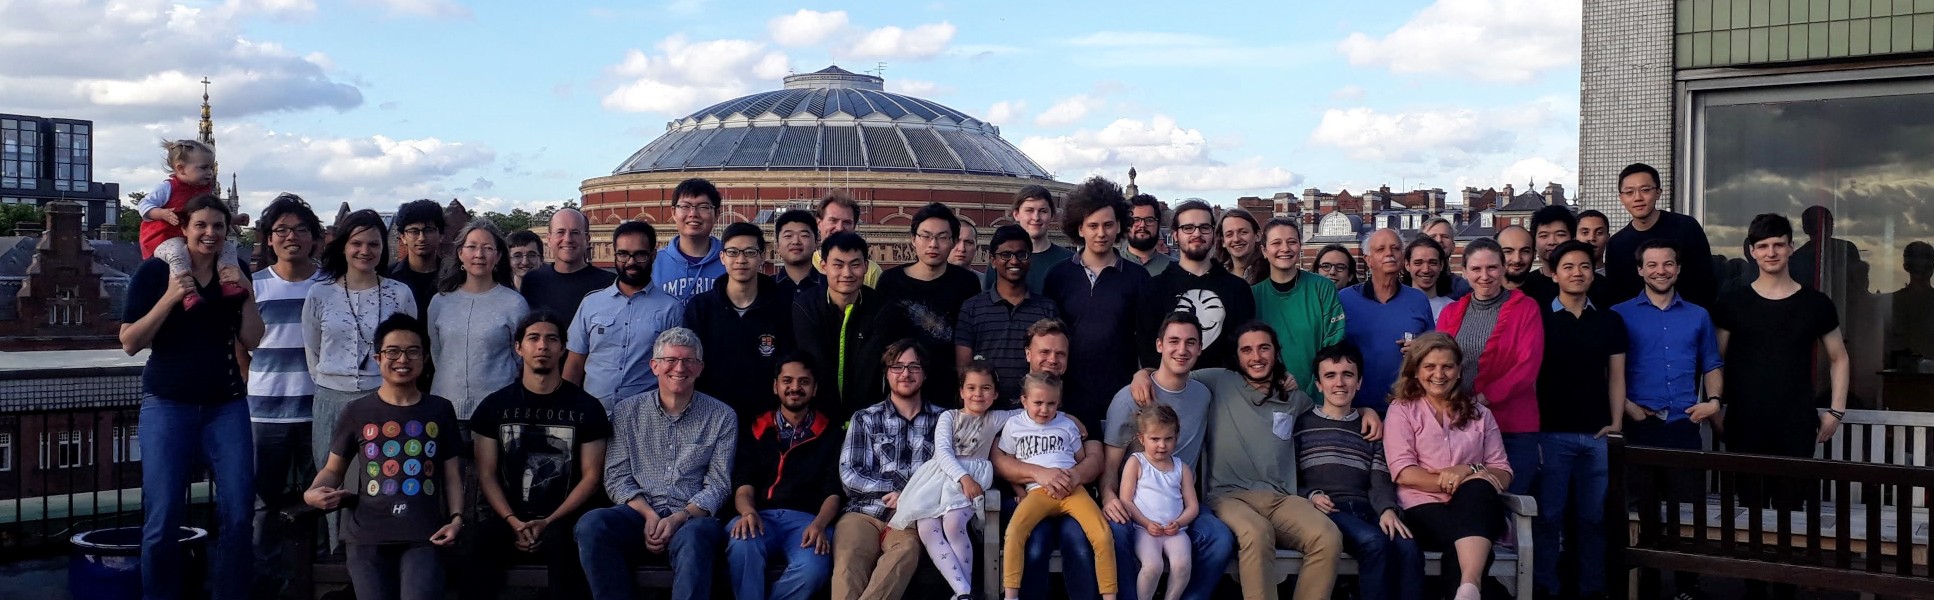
x=1476, y=468
x=1714, y=399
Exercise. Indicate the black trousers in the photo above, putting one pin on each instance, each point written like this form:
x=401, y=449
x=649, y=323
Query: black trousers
x=492, y=548
x=1475, y=510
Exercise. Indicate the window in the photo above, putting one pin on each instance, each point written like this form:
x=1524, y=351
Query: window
x=127, y=444
x=6, y=452
x=68, y=449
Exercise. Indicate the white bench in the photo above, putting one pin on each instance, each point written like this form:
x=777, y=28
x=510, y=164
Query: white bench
x=1511, y=565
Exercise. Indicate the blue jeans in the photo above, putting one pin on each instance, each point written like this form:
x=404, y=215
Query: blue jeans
x=608, y=536
x=1387, y=568
x=176, y=439
x=806, y=570
x=1077, y=557
x=1211, y=546
x=1571, y=484
x=1521, y=450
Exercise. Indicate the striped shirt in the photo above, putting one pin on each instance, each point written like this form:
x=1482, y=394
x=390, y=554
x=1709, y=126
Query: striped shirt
x=671, y=460
x=882, y=451
x=996, y=331
x=279, y=387
x=1333, y=458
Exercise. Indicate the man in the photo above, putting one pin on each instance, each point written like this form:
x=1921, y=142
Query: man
x=526, y=254
x=1639, y=190
x=280, y=391
x=885, y=443
x=1439, y=230
x=1596, y=229
x=561, y=285
x=419, y=229
x=746, y=322
x=788, y=492
x=1145, y=234
x=689, y=264
x=1047, y=352
x=540, y=448
x=669, y=471
x=929, y=291
x=1550, y=226
x=1381, y=314
x=1220, y=300
x=994, y=324
x=1520, y=252
x=1581, y=391
x=797, y=236
x=608, y=356
x=839, y=213
x=1769, y=332
x=966, y=249
x=1211, y=542
x=1108, y=308
x=844, y=328
x=1301, y=306
x=1034, y=211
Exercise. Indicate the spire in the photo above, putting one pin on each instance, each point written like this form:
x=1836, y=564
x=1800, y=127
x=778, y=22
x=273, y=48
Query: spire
x=207, y=120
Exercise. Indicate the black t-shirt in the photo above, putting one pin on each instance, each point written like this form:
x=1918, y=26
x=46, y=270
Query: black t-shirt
x=192, y=356
x=1697, y=282
x=423, y=285
x=1769, y=357
x=397, y=456
x=1541, y=288
x=1574, y=385
x=932, y=308
x=539, y=437
x=1219, y=299
x=546, y=289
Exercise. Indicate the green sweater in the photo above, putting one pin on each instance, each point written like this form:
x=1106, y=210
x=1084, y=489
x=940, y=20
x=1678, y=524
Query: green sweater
x=1307, y=318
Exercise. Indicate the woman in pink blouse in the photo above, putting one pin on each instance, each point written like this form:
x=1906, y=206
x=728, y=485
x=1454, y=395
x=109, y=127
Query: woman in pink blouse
x=1448, y=459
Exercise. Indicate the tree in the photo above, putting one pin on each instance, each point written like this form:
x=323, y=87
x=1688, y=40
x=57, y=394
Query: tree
x=542, y=218
x=519, y=219
x=15, y=214
x=128, y=223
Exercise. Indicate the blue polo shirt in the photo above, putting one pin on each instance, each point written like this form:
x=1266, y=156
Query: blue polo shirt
x=615, y=333
x=1670, y=350
x=1376, y=327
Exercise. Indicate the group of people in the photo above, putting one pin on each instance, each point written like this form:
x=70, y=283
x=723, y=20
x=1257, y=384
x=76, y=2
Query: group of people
x=488, y=404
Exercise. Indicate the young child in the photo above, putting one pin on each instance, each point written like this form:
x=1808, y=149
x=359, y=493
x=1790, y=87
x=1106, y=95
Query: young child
x=1043, y=437
x=193, y=174
x=1160, y=497
x=404, y=496
x=945, y=492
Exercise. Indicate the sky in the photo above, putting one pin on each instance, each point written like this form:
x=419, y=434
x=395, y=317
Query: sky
x=513, y=104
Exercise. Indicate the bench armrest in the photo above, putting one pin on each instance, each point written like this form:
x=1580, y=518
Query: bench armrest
x=1524, y=506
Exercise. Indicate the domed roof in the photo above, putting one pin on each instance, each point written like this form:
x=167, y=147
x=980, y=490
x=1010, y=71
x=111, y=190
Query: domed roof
x=832, y=119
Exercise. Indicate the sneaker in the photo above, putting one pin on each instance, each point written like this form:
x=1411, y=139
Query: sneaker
x=231, y=289
x=1468, y=592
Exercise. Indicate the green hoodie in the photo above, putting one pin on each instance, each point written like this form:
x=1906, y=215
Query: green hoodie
x=1307, y=318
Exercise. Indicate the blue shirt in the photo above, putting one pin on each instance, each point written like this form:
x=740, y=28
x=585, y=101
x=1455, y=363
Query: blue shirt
x=1376, y=328
x=1670, y=350
x=684, y=276
x=615, y=334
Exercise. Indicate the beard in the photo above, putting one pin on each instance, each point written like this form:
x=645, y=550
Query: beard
x=1517, y=277
x=1141, y=244
x=1196, y=255
x=635, y=276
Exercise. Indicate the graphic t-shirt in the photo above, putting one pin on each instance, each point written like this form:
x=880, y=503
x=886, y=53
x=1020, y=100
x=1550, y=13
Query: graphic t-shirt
x=539, y=438
x=933, y=307
x=397, y=455
x=1050, y=445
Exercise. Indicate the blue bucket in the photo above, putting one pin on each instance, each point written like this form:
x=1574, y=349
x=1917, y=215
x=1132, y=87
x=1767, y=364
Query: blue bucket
x=106, y=564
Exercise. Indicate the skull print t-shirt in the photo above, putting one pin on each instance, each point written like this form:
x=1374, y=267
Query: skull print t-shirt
x=397, y=456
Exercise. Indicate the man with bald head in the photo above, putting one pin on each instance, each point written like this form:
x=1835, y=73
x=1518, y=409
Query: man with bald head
x=1520, y=252
x=1381, y=314
x=559, y=286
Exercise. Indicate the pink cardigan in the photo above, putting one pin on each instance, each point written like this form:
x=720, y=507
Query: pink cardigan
x=1414, y=437
x=1507, y=371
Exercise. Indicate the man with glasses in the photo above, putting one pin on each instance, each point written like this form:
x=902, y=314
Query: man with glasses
x=993, y=325
x=1145, y=234
x=885, y=443
x=526, y=254
x=559, y=286
x=1639, y=191
x=689, y=264
x=608, y=356
x=668, y=471
x=419, y=229
x=1034, y=212
x=1220, y=300
x=280, y=390
x=745, y=321
x=929, y=291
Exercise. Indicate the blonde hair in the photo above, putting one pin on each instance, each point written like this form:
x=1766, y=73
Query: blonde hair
x=179, y=151
x=1040, y=379
x=1411, y=389
x=1156, y=415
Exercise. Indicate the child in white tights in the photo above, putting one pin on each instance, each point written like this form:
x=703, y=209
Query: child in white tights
x=1159, y=494
x=945, y=492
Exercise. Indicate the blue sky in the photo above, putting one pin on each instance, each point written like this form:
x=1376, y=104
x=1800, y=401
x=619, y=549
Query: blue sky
x=505, y=104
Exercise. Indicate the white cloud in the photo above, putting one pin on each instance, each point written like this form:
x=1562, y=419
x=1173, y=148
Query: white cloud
x=432, y=9
x=924, y=41
x=1518, y=173
x=1489, y=40
x=1369, y=135
x=686, y=75
x=1348, y=92
x=1166, y=156
x=1068, y=111
x=916, y=87
x=806, y=27
x=1005, y=111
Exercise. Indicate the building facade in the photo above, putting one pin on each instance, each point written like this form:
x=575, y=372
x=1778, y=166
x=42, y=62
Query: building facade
x=43, y=160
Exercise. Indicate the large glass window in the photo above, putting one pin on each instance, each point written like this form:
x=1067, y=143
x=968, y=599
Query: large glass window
x=1852, y=164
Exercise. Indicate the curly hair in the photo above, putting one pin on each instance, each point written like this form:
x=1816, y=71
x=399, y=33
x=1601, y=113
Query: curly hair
x=1410, y=388
x=1092, y=196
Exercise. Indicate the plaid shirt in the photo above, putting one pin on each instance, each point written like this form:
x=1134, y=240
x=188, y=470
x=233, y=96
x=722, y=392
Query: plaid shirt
x=882, y=450
x=671, y=461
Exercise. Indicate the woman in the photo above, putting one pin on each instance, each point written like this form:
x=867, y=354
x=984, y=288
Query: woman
x=1448, y=459
x=340, y=316
x=194, y=408
x=1501, y=334
x=472, y=319
x=1424, y=263
x=1336, y=263
x=1241, y=254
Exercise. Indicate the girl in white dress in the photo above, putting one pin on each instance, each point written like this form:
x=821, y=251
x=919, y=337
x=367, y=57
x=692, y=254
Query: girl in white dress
x=1160, y=497
x=945, y=492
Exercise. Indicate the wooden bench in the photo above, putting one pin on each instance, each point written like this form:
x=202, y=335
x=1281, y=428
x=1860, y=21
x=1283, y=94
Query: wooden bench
x=1511, y=565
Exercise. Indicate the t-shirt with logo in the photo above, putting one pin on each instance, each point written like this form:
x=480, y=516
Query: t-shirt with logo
x=1052, y=444
x=1220, y=300
x=397, y=456
x=540, y=438
x=932, y=308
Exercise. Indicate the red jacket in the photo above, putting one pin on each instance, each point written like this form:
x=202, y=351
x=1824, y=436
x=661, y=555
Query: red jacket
x=1507, y=370
x=153, y=232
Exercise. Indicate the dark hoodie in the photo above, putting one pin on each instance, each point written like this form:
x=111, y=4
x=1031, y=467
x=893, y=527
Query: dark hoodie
x=873, y=325
x=741, y=349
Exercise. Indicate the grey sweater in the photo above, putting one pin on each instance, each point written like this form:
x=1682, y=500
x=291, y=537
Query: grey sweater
x=470, y=340
x=1479, y=319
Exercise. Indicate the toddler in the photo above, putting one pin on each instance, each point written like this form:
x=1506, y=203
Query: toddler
x=1159, y=495
x=945, y=492
x=192, y=166
x=1043, y=437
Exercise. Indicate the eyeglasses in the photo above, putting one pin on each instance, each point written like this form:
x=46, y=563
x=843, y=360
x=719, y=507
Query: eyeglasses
x=419, y=231
x=1151, y=221
x=283, y=232
x=905, y=368
x=689, y=363
x=925, y=238
x=739, y=252
x=625, y=256
x=1332, y=267
x=393, y=353
x=1013, y=256
x=1634, y=191
x=478, y=248
x=1204, y=228
x=693, y=208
